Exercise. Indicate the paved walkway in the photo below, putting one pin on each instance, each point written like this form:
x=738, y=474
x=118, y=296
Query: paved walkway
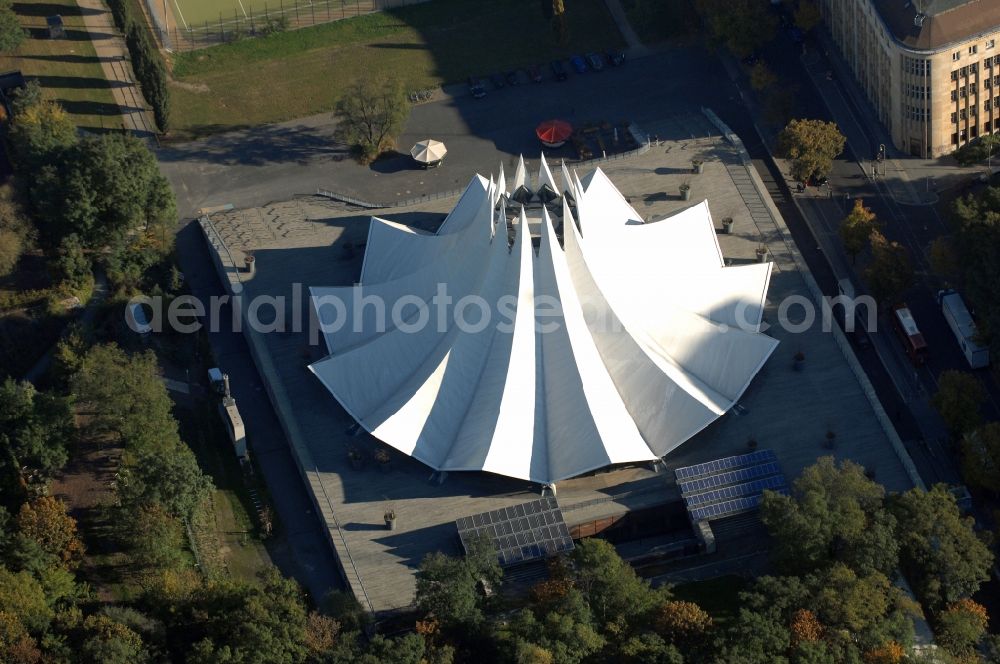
x=635, y=46
x=111, y=52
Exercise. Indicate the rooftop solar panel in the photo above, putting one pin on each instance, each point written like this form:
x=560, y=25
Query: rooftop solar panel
x=724, y=464
x=731, y=477
x=521, y=532
x=773, y=483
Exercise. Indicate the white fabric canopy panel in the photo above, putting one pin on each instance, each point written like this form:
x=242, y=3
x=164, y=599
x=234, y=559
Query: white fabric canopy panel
x=616, y=345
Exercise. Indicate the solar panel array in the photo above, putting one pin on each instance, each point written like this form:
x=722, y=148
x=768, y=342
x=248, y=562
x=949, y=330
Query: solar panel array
x=722, y=465
x=729, y=486
x=521, y=532
x=773, y=483
x=732, y=477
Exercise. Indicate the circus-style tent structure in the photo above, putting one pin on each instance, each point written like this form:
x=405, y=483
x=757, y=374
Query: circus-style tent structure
x=608, y=340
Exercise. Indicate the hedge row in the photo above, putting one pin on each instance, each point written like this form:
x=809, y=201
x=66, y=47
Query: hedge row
x=147, y=62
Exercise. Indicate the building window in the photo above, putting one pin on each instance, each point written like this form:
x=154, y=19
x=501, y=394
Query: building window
x=956, y=56
x=987, y=83
x=973, y=111
x=996, y=102
x=962, y=92
x=954, y=139
x=974, y=67
x=973, y=49
x=963, y=136
x=954, y=118
x=990, y=43
x=973, y=131
x=963, y=72
x=986, y=127
x=963, y=114
x=987, y=105
x=996, y=81
x=954, y=95
x=954, y=75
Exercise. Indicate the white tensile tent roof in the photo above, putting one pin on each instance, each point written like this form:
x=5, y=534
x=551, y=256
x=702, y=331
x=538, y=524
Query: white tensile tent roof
x=654, y=337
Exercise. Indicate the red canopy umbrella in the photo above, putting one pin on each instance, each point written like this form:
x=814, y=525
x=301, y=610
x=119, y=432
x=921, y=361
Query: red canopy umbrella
x=553, y=133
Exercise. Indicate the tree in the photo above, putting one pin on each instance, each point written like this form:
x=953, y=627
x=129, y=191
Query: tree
x=11, y=32
x=123, y=397
x=41, y=133
x=16, y=645
x=229, y=621
x=26, y=97
x=612, y=589
x=888, y=653
x=154, y=537
x=72, y=265
x=104, y=189
x=16, y=231
x=22, y=596
x=857, y=228
x=958, y=399
x=321, y=634
x=944, y=258
x=370, y=115
x=728, y=22
x=169, y=478
x=44, y=520
x=981, y=457
x=812, y=145
x=761, y=77
x=940, y=553
x=890, y=272
x=110, y=642
x=805, y=627
x=807, y=15
x=961, y=627
x=447, y=591
x=835, y=514
x=684, y=624
x=36, y=428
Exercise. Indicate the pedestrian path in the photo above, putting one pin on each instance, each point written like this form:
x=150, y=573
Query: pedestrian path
x=635, y=46
x=111, y=52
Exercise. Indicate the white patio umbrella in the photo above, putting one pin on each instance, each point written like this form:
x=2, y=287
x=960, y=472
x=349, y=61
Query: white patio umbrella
x=428, y=151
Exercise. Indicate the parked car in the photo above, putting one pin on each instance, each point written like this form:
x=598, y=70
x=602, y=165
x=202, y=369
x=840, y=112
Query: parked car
x=535, y=73
x=616, y=58
x=497, y=81
x=579, y=64
x=476, y=88
x=559, y=70
x=595, y=61
x=512, y=77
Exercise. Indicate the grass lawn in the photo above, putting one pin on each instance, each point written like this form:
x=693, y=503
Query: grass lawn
x=719, y=597
x=68, y=69
x=658, y=20
x=302, y=72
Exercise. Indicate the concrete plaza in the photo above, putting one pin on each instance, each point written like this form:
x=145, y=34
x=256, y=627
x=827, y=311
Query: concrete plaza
x=310, y=242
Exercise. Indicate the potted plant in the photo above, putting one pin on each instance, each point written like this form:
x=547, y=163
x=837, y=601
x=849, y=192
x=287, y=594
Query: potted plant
x=697, y=165
x=685, y=191
x=727, y=225
x=357, y=459
x=831, y=437
x=761, y=254
x=390, y=518
x=383, y=459
x=799, y=361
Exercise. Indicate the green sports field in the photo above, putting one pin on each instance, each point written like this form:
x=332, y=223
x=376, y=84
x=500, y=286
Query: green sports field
x=196, y=14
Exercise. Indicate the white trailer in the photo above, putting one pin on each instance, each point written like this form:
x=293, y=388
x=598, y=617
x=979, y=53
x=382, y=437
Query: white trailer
x=964, y=328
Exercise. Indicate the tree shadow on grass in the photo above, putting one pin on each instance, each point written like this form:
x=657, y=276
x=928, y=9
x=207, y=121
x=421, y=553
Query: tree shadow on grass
x=88, y=107
x=77, y=82
x=74, y=59
x=51, y=9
